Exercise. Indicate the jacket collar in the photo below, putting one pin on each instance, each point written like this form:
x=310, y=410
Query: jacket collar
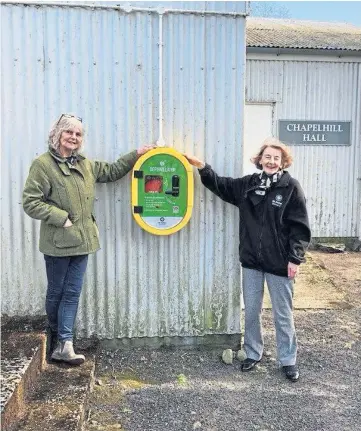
x=61, y=159
x=62, y=162
x=284, y=180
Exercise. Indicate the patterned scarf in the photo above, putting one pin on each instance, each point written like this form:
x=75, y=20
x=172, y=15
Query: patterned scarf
x=257, y=193
x=72, y=159
x=266, y=182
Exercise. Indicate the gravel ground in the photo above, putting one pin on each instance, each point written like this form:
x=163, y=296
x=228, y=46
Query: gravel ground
x=182, y=389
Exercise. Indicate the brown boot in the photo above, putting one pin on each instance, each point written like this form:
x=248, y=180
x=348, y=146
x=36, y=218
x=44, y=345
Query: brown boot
x=64, y=352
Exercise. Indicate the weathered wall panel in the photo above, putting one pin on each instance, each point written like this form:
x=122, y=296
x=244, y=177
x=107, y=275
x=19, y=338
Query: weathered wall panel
x=312, y=90
x=218, y=6
x=264, y=81
x=103, y=65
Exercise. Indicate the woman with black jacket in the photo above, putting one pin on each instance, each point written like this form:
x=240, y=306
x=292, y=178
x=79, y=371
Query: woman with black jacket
x=274, y=234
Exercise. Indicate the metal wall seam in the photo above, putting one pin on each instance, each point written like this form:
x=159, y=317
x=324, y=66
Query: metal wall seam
x=357, y=161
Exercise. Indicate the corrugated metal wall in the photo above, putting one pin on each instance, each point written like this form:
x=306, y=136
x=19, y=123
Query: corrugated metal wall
x=103, y=65
x=314, y=90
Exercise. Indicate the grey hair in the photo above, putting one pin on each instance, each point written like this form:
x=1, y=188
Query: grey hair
x=59, y=127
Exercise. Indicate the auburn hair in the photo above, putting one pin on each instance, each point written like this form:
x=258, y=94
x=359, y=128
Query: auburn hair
x=287, y=158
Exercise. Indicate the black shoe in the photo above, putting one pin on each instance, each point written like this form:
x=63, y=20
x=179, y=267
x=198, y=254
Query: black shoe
x=248, y=364
x=291, y=372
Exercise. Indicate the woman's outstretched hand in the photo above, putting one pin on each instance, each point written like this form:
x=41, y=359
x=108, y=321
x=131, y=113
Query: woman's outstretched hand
x=194, y=161
x=144, y=149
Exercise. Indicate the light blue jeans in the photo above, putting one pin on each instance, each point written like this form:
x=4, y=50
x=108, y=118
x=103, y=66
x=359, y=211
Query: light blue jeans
x=65, y=280
x=281, y=293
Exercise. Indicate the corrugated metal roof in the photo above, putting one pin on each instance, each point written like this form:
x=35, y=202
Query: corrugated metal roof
x=285, y=33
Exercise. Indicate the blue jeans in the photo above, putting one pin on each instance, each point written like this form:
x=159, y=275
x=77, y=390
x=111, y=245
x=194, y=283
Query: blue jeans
x=65, y=280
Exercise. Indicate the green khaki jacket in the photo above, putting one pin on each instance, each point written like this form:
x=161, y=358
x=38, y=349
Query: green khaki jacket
x=55, y=190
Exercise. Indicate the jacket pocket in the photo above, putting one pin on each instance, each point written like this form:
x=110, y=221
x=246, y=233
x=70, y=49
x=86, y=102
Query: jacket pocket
x=67, y=237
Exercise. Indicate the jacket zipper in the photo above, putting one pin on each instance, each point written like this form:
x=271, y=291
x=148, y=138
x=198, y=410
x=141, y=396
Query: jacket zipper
x=260, y=237
x=81, y=204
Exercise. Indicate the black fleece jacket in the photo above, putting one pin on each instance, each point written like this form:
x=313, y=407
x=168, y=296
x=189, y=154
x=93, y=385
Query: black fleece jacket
x=272, y=232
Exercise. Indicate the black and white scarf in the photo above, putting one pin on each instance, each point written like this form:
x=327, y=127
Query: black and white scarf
x=264, y=184
x=72, y=160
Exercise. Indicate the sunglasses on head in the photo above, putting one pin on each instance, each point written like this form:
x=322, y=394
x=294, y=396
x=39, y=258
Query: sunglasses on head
x=69, y=116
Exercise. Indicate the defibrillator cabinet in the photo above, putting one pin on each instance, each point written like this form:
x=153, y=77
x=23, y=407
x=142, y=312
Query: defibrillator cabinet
x=162, y=191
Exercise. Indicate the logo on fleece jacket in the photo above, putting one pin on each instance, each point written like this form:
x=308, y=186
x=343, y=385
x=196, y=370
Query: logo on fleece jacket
x=277, y=201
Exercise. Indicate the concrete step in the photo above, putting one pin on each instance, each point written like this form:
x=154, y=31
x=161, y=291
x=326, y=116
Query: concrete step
x=36, y=395
x=22, y=361
x=58, y=402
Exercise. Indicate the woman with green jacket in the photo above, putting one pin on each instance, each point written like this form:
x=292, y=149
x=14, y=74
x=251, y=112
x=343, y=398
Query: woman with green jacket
x=60, y=191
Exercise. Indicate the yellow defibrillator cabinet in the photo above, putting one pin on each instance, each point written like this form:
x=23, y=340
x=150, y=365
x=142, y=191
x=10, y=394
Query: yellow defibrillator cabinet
x=162, y=191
